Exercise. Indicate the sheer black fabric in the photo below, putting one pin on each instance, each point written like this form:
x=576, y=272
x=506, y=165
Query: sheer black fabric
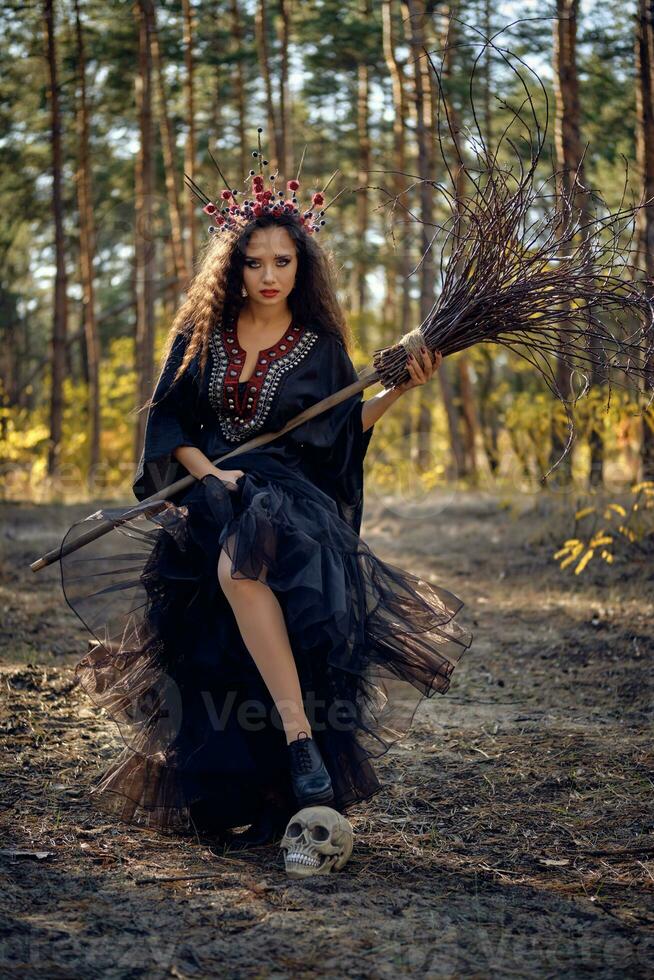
x=204, y=748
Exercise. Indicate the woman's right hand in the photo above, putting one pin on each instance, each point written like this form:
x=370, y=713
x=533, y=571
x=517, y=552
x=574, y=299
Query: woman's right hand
x=228, y=477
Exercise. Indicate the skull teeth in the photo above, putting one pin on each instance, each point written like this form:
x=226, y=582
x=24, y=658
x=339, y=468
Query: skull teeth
x=296, y=858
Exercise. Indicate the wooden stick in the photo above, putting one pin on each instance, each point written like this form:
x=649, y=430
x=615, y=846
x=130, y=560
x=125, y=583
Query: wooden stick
x=367, y=377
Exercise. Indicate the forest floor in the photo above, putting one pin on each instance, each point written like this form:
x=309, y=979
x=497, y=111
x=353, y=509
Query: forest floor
x=514, y=835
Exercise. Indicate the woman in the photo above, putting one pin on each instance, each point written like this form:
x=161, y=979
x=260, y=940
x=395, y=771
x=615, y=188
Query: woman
x=254, y=652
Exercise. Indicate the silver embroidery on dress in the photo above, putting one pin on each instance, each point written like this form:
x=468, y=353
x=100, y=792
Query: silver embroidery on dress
x=234, y=429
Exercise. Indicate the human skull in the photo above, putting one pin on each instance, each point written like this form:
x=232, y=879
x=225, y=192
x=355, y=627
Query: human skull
x=316, y=841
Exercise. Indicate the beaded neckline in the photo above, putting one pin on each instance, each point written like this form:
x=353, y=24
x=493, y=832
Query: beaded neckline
x=243, y=406
x=274, y=350
x=243, y=403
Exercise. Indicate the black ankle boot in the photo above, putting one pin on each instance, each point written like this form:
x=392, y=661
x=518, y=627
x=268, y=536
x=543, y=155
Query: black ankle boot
x=311, y=781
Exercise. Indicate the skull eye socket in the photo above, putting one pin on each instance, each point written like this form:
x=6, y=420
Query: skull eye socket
x=294, y=829
x=319, y=833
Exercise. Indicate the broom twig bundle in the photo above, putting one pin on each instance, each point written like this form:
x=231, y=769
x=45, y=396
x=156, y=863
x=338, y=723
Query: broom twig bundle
x=538, y=265
x=541, y=267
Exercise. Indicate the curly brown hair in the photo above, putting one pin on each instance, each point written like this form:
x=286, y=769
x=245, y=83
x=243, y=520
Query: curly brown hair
x=214, y=295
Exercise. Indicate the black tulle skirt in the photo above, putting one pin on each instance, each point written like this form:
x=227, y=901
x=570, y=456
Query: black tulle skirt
x=204, y=748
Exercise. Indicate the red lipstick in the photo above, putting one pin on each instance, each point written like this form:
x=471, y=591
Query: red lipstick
x=269, y=292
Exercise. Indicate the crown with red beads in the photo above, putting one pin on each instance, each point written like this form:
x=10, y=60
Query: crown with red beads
x=230, y=215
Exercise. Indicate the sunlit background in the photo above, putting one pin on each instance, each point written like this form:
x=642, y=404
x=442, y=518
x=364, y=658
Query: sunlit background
x=105, y=106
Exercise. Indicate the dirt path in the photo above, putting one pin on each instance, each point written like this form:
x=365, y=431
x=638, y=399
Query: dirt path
x=514, y=836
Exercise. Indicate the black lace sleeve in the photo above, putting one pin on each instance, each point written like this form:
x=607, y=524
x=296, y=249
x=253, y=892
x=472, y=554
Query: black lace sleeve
x=172, y=421
x=334, y=444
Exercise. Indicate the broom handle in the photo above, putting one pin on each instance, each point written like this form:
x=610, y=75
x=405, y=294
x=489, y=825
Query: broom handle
x=367, y=377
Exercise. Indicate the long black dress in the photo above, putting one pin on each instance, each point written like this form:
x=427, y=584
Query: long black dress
x=204, y=745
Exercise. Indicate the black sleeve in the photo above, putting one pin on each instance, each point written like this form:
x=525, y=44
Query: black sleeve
x=334, y=444
x=172, y=421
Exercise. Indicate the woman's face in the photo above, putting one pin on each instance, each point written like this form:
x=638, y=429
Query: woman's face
x=270, y=266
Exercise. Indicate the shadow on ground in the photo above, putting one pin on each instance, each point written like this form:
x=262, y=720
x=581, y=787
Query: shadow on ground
x=514, y=835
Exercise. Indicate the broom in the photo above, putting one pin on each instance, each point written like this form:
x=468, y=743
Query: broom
x=524, y=265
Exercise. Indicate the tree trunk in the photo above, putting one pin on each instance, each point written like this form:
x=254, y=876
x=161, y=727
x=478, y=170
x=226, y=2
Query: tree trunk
x=425, y=121
x=487, y=76
x=10, y=356
x=358, y=300
x=469, y=415
x=237, y=36
x=190, y=153
x=285, y=141
x=466, y=412
x=127, y=305
x=144, y=247
x=645, y=154
x=168, y=147
x=59, y=325
x=569, y=155
x=170, y=297
x=261, y=31
x=401, y=259
x=487, y=414
x=390, y=313
x=87, y=258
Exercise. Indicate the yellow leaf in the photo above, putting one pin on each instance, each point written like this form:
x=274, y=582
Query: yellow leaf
x=618, y=508
x=584, y=561
x=600, y=538
x=584, y=512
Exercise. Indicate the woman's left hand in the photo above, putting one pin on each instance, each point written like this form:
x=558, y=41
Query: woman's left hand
x=421, y=371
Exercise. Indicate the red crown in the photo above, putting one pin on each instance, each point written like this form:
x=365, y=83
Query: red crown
x=230, y=215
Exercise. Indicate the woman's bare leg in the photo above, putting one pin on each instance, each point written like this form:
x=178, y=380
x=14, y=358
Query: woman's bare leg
x=263, y=628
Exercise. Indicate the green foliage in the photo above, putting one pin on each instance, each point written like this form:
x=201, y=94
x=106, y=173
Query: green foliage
x=23, y=440
x=528, y=424
x=329, y=41
x=24, y=436
x=117, y=387
x=393, y=464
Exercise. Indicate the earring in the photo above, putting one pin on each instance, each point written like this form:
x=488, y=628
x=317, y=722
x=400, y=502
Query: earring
x=244, y=291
